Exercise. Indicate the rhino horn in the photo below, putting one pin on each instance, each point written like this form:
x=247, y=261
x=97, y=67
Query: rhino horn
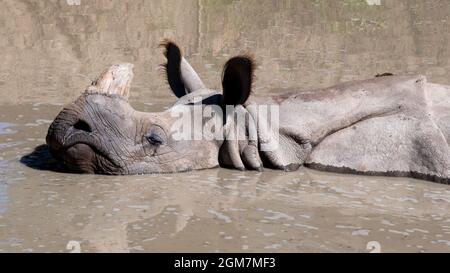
x=116, y=80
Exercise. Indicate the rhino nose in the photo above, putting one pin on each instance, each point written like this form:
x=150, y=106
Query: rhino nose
x=82, y=125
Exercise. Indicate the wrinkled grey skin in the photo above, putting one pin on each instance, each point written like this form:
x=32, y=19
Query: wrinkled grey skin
x=394, y=126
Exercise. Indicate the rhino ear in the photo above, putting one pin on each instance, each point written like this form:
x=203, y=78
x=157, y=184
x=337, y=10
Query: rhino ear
x=181, y=77
x=237, y=80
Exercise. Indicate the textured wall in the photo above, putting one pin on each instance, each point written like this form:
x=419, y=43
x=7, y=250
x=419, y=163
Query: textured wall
x=49, y=49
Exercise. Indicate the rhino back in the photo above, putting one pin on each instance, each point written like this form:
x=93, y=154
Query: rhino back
x=383, y=126
x=323, y=112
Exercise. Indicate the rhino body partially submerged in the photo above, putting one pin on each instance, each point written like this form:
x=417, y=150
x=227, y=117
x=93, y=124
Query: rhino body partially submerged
x=395, y=126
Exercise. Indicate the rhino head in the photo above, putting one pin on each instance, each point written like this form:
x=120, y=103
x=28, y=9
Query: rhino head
x=101, y=133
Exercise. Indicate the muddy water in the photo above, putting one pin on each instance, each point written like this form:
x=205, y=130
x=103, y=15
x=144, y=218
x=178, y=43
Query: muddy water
x=50, y=50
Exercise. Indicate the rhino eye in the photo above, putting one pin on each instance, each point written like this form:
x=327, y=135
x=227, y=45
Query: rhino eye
x=154, y=139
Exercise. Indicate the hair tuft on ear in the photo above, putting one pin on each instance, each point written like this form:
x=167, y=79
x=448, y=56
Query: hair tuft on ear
x=237, y=79
x=172, y=69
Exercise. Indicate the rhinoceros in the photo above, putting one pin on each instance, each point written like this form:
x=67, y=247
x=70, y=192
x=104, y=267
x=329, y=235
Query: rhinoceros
x=388, y=125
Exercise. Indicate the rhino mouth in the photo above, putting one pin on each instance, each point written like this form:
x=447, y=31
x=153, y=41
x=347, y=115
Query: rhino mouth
x=78, y=158
x=83, y=157
x=82, y=153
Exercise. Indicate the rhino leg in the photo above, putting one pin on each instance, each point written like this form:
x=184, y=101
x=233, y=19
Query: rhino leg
x=395, y=145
